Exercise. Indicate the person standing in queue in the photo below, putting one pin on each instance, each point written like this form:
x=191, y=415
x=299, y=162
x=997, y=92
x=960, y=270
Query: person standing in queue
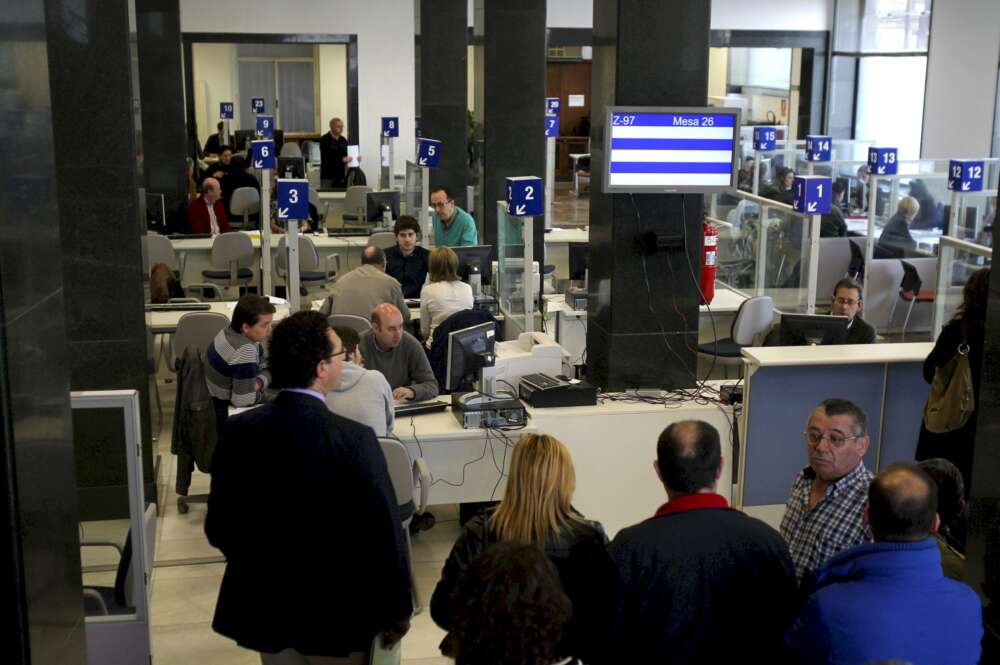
x=333, y=156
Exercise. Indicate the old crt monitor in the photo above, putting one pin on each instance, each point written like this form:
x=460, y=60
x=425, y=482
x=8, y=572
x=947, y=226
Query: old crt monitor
x=812, y=329
x=378, y=202
x=242, y=140
x=671, y=149
x=469, y=351
x=291, y=167
x=475, y=255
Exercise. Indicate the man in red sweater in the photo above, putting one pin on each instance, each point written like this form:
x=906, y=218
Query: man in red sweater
x=206, y=214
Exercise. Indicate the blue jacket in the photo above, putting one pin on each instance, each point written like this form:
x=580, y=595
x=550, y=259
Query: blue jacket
x=882, y=601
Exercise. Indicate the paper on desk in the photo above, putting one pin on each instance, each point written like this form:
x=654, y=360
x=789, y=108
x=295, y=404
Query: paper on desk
x=353, y=151
x=277, y=301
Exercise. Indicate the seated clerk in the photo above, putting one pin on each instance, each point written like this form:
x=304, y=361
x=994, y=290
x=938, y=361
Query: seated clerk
x=859, y=195
x=896, y=241
x=781, y=190
x=832, y=224
x=398, y=355
x=407, y=261
x=213, y=146
x=364, y=395
x=453, y=227
x=223, y=166
x=847, y=302
x=206, y=214
x=237, y=176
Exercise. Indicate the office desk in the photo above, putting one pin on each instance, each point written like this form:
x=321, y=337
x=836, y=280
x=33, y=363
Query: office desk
x=574, y=159
x=331, y=206
x=166, y=322
x=557, y=242
x=927, y=241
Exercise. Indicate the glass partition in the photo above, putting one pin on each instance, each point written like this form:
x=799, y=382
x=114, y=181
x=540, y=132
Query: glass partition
x=517, y=276
x=413, y=189
x=957, y=260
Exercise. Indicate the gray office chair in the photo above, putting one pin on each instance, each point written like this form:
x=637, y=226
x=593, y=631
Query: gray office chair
x=159, y=249
x=195, y=330
x=753, y=319
x=356, y=204
x=290, y=149
x=382, y=239
x=245, y=202
x=411, y=479
x=232, y=256
x=120, y=599
x=358, y=323
x=312, y=273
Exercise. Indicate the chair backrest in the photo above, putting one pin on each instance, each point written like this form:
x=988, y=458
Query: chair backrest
x=356, y=198
x=124, y=579
x=400, y=469
x=245, y=201
x=197, y=330
x=911, y=281
x=358, y=323
x=290, y=149
x=382, y=239
x=160, y=250
x=308, y=256
x=232, y=247
x=754, y=317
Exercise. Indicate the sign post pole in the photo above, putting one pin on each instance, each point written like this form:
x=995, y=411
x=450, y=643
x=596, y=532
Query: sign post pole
x=812, y=197
x=226, y=113
x=526, y=200
x=764, y=140
x=263, y=158
x=293, y=207
x=428, y=155
x=390, y=131
x=551, y=132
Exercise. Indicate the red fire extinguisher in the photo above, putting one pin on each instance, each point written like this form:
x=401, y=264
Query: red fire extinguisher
x=709, y=263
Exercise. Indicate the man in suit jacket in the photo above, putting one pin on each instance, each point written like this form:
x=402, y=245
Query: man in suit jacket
x=207, y=214
x=847, y=302
x=283, y=475
x=365, y=288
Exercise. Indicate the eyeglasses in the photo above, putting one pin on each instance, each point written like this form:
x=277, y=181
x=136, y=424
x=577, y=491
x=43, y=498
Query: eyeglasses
x=441, y=204
x=846, y=301
x=334, y=355
x=836, y=439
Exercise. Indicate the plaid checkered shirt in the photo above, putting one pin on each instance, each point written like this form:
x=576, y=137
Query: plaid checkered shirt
x=832, y=525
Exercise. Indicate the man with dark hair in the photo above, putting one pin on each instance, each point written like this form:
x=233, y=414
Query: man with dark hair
x=234, y=371
x=363, y=395
x=407, y=261
x=225, y=163
x=213, y=146
x=951, y=510
x=453, y=227
x=686, y=572
x=832, y=224
x=847, y=302
x=388, y=348
x=282, y=475
x=889, y=599
x=367, y=286
x=823, y=512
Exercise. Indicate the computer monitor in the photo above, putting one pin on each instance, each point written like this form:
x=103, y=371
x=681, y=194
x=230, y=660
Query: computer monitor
x=242, y=140
x=469, y=351
x=579, y=260
x=812, y=329
x=475, y=255
x=671, y=149
x=291, y=167
x=379, y=202
x=312, y=153
x=156, y=212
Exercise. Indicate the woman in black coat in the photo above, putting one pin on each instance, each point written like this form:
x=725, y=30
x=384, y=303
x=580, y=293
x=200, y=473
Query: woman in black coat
x=896, y=241
x=967, y=327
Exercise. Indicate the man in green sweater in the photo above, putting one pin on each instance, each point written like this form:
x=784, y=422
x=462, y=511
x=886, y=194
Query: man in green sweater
x=398, y=355
x=453, y=227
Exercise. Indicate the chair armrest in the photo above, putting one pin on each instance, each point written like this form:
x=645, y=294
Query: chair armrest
x=216, y=291
x=182, y=259
x=336, y=260
x=93, y=595
x=103, y=543
x=422, y=478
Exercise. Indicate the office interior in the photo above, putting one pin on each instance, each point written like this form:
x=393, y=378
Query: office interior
x=106, y=103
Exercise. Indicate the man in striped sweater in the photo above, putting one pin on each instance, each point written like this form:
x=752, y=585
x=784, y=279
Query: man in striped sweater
x=234, y=371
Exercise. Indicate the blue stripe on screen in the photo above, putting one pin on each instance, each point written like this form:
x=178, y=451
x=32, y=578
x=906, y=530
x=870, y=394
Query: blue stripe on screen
x=667, y=119
x=671, y=167
x=672, y=144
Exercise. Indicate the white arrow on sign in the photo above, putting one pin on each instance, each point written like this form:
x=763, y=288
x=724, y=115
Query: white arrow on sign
x=966, y=186
x=881, y=169
x=811, y=207
x=519, y=210
x=817, y=155
x=422, y=161
x=258, y=164
x=282, y=213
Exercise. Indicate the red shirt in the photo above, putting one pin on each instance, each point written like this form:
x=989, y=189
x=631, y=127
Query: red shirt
x=199, y=221
x=693, y=502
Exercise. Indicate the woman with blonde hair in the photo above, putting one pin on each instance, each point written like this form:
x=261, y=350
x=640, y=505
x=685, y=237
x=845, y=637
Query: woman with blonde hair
x=896, y=241
x=444, y=295
x=536, y=510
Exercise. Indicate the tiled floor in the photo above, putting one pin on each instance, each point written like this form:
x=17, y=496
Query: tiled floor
x=569, y=210
x=188, y=572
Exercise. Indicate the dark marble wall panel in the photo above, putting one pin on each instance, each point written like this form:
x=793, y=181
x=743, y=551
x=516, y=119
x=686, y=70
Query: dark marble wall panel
x=40, y=596
x=99, y=178
x=513, y=102
x=443, y=90
x=643, y=312
x=161, y=86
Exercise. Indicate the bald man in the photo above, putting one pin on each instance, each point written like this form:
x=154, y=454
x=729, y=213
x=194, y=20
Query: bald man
x=388, y=348
x=207, y=214
x=333, y=156
x=361, y=290
x=687, y=571
x=890, y=600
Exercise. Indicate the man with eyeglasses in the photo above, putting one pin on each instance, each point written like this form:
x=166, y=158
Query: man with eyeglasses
x=453, y=227
x=824, y=513
x=847, y=302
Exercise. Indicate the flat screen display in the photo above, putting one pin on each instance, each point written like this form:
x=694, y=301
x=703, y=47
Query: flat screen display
x=671, y=150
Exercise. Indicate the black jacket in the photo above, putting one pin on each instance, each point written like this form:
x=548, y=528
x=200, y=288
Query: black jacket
x=703, y=586
x=232, y=181
x=832, y=224
x=303, y=508
x=410, y=271
x=860, y=332
x=332, y=166
x=896, y=241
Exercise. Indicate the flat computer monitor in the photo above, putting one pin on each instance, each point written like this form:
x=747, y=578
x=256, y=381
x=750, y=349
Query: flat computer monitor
x=312, y=153
x=475, y=255
x=671, y=149
x=242, y=140
x=579, y=260
x=812, y=329
x=291, y=167
x=379, y=202
x=469, y=351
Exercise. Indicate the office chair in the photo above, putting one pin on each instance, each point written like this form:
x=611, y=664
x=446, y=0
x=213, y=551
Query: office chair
x=290, y=149
x=159, y=249
x=410, y=480
x=358, y=323
x=232, y=256
x=910, y=291
x=120, y=598
x=382, y=239
x=752, y=320
x=245, y=202
x=356, y=204
x=312, y=273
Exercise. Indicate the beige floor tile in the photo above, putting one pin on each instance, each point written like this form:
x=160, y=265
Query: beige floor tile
x=423, y=639
x=184, y=600
x=181, y=549
x=440, y=660
x=435, y=544
x=191, y=570
x=197, y=644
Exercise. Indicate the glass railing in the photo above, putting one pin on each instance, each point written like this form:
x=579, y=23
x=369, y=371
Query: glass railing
x=957, y=260
x=516, y=278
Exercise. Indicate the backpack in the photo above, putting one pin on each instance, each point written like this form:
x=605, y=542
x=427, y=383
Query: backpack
x=952, y=399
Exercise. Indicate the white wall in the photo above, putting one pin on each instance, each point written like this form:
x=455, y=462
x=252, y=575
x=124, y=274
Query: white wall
x=386, y=69
x=332, y=61
x=214, y=82
x=961, y=89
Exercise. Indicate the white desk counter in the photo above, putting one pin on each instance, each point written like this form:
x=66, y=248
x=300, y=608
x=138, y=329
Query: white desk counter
x=844, y=354
x=557, y=242
x=161, y=322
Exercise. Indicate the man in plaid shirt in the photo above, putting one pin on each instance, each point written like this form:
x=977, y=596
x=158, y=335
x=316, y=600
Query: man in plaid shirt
x=824, y=512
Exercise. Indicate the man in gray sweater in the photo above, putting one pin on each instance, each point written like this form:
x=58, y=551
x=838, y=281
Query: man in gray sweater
x=363, y=395
x=398, y=355
x=363, y=288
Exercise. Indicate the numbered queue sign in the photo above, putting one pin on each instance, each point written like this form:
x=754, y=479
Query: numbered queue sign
x=811, y=194
x=552, y=105
x=551, y=126
x=265, y=126
x=764, y=138
x=525, y=196
x=817, y=148
x=965, y=175
x=262, y=153
x=293, y=199
x=226, y=110
x=390, y=126
x=428, y=153
x=883, y=161
x=257, y=105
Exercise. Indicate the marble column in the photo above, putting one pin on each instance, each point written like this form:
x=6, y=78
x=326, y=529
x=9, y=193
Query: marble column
x=642, y=321
x=443, y=90
x=512, y=71
x=93, y=66
x=40, y=595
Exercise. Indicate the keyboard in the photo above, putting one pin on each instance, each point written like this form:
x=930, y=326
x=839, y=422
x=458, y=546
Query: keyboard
x=340, y=233
x=415, y=408
x=186, y=236
x=179, y=307
x=541, y=381
x=412, y=302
